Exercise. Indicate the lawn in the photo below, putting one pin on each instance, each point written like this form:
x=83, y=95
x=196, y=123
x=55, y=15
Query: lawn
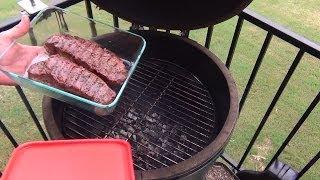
x=302, y=17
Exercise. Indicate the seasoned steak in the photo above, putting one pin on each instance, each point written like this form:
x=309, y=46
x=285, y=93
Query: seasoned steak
x=89, y=55
x=62, y=73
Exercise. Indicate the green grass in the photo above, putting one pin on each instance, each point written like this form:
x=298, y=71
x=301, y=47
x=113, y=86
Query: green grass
x=299, y=16
x=8, y=9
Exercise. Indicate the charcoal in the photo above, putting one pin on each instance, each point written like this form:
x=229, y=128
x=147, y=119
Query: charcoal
x=153, y=137
x=148, y=118
x=159, y=137
x=134, y=137
x=183, y=137
x=144, y=142
x=179, y=147
x=123, y=132
x=132, y=116
x=130, y=129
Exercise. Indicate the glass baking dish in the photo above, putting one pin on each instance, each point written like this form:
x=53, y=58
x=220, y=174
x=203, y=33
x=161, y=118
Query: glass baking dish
x=54, y=20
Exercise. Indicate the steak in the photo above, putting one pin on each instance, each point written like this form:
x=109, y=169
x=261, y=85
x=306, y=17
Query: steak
x=62, y=73
x=89, y=55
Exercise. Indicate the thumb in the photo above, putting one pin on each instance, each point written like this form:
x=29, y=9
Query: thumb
x=19, y=30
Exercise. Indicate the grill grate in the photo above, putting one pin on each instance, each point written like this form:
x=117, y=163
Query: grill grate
x=166, y=114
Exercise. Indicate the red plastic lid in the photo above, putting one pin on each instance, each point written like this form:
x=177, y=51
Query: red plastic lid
x=71, y=160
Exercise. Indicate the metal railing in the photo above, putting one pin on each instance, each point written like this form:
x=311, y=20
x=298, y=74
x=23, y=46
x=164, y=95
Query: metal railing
x=304, y=45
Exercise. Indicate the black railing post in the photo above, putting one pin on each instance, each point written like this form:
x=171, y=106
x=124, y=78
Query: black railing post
x=295, y=129
x=88, y=9
x=115, y=21
x=8, y=134
x=309, y=165
x=209, y=36
x=230, y=161
x=65, y=25
x=93, y=29
x=272, y=105
x=234, y=41
x=255, y=70
x=31, y=112
x=90, y=15
x=32, y=37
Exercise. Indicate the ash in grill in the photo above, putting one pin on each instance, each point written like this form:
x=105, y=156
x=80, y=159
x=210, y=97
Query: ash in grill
x=166, y=114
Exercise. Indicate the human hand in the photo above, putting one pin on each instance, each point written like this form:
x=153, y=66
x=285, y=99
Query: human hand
x=18, y=57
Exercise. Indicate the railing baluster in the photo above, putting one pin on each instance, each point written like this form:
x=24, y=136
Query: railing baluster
x=93, y=29
x=309, y=165
x=115, y=21
x=32, y=37
x=24, y=98
x=88, y=9
x=255, y=69
x=90, y=15
x=230, y=161
x=273, y=103
x=295, y=129
x=234, y=41
x=209, y=36
x=31, y=112
x=8, y=134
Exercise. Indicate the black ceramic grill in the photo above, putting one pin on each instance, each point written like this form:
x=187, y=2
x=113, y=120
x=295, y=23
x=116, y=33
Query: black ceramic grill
x=177, y=111
x=181, y=104
x=154, y=116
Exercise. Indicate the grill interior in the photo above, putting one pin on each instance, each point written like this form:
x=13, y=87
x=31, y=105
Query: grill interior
x=166, y=114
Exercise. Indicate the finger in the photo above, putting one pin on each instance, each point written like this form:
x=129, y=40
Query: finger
x=33, y=49
x=30, y=52
x=19, y=30
x=4, y=80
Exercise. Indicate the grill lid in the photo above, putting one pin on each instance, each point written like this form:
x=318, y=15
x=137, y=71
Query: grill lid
x=171, y=14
